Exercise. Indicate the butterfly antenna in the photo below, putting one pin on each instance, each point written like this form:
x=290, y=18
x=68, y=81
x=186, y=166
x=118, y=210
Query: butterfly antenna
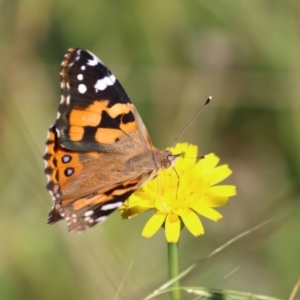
x=192, y=120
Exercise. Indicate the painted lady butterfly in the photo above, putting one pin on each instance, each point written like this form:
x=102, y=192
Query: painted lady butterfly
x=99, y=151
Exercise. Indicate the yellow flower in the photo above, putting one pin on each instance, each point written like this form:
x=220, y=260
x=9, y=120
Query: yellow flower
x=178, y=194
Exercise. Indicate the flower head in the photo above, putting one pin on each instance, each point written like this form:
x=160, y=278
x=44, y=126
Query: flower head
x=179, y=194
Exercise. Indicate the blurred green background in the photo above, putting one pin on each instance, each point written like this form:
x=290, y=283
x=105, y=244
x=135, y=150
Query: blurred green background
x=170, y=56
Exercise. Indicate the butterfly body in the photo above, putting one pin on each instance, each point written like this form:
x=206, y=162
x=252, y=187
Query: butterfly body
x=99, y=151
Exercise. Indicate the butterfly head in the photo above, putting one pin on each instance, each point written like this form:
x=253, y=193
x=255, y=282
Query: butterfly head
x=169, y=159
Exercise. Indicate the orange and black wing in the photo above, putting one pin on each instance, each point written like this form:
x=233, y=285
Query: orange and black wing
x=95, y=113
x=97, y=128
x=82, y=196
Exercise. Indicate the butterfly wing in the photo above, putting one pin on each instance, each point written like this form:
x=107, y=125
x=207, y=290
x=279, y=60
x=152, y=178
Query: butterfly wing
x=99, y=151
x=95, y=113
x=87, y=186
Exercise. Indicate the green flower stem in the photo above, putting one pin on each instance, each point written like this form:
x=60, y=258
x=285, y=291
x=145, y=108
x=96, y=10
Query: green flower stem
x=173, y=270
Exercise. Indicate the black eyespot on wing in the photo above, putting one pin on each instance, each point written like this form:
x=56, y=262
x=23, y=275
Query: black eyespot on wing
x=69, y=172
x=66, y=159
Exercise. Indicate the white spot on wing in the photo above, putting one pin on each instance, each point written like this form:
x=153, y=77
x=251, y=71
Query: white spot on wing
x=69, y=172
x=111, y=206
x=109, y=80
x=66, y=158
x=68, y=99
x=102, y=84
x=94, y=61
x=46, y=165
x=112, y=78
x=83, y=68
x=88, y=213
x=101, y=219
x=80, y=77
x=82, y=88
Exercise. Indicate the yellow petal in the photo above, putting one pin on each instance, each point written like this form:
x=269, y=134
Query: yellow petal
x=187, y=160
x=138, y=195
x=188, y=150
x=172, y=228
x=210, y=160
x=153, y=224
x=134, y=206
x=223, y=190
x=207, y=212
x=215, y=201
x=205, y=165
x=193, y=223
x=130, y=212
x=219, y=174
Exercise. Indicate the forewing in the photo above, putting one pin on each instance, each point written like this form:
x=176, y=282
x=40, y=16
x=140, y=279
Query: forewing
x=95, y=113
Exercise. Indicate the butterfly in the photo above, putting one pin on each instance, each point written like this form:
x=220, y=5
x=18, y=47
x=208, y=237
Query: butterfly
x=98, y=152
